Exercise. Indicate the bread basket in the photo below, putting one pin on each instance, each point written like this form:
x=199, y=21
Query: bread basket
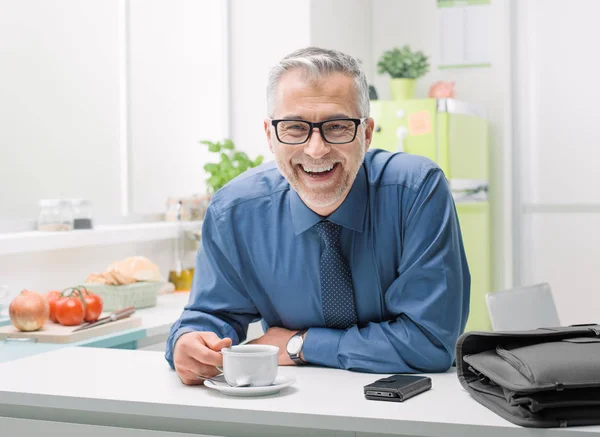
x=138, y=294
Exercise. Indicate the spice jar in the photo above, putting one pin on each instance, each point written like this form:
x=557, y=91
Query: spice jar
x=55, y=215
x=197, y=206
x=82, y=213
x=172, y=209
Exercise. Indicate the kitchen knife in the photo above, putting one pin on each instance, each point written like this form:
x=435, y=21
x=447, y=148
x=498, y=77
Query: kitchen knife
x=115, y=315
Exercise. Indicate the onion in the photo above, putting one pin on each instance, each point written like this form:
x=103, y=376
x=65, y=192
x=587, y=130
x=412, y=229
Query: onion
x=29, y=311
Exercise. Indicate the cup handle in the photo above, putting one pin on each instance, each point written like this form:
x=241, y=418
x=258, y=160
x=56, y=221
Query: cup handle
x=219, y=368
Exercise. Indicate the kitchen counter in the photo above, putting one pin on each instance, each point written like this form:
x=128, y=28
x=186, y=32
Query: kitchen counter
x=155, y=327
x=156, y=323
x=95, y=391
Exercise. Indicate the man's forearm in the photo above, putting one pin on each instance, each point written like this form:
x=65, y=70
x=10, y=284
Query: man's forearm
x=388, y=347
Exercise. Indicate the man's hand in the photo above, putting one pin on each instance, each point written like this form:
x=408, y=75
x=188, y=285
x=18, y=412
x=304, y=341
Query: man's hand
x=278, y=337
x=196, y=354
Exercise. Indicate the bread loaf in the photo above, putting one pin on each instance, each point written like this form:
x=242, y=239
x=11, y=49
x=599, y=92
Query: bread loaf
x=138, y=268
x=109, y=278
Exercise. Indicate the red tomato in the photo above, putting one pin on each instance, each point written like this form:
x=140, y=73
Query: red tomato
x=51, y=297
x=69, y=311
x=93, y=306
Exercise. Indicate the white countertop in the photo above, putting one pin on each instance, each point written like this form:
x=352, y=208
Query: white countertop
x=159, y=319
x=137, y=389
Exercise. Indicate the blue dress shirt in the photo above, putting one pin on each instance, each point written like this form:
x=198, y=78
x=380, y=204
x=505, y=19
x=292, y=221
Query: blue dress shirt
x=260, y=257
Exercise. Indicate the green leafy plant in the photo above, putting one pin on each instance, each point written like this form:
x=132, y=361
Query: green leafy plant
x=403, y=63
x=231, y=163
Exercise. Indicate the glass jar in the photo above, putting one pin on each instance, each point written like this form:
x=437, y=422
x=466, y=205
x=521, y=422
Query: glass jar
x=198, y=205
x=172, y=212
x=55, y=215
x=82, y=214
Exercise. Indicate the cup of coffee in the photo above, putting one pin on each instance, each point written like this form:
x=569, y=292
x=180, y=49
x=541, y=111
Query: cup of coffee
x=250, y=364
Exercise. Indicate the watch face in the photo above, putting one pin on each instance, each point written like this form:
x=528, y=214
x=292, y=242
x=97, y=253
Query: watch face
x=294, y=345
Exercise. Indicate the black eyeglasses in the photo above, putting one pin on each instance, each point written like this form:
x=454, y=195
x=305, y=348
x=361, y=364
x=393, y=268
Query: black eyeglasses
x=336, y=131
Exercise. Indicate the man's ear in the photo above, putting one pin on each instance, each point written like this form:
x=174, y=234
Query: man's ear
x=267, y=126
x=370, y=128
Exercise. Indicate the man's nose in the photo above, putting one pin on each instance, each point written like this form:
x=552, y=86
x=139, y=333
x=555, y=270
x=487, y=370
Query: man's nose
x=316, y=147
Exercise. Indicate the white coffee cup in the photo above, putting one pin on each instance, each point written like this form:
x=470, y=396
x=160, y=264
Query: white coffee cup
x=254, y=364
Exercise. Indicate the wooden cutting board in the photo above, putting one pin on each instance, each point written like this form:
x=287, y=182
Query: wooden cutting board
x=56, y=333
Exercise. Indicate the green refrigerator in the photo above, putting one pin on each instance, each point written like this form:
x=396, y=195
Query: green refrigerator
x=454, y=134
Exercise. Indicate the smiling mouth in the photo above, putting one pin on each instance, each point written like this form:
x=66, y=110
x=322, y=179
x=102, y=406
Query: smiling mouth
x=316, y=171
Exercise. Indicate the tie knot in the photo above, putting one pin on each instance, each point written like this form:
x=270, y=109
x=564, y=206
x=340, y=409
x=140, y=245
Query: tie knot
x=329, y=232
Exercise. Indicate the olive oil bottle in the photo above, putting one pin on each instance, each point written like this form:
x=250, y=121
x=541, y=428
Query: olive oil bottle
x=180, y=277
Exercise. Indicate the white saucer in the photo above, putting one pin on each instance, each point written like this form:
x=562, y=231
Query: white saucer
x=219, y=383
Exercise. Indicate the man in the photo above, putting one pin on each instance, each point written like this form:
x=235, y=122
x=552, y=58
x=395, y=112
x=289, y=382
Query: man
x=353, y=260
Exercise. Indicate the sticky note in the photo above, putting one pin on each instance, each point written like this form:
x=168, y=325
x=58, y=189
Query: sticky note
x=419, y=123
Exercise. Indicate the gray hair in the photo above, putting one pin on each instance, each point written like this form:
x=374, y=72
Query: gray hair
x=317, y=63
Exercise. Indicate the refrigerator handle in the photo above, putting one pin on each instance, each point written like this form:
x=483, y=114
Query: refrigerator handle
x=401, y=134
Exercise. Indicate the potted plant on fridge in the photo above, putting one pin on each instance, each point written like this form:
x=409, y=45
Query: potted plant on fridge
x=405, y=67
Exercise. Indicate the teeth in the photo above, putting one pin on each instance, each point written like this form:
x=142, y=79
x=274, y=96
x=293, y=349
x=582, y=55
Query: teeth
x=316, y=169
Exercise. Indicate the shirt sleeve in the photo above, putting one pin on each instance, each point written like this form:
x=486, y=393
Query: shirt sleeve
x=429, y=299
x=218, y=300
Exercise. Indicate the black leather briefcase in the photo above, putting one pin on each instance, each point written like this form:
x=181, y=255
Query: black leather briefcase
x=543, y=378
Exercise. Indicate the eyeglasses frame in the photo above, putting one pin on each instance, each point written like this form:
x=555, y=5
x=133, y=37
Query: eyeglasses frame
x=357, y=122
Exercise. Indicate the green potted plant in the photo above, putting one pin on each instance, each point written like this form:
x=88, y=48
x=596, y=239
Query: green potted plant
x=405, y=67
x=231, y=163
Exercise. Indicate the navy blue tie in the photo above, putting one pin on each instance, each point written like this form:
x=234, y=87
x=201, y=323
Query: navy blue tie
x=337, y=291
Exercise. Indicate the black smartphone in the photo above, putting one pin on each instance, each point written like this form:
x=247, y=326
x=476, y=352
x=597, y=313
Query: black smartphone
x=397, y=388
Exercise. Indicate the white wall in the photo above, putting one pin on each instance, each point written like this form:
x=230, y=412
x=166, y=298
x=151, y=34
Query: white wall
x=560, y=101
x=563, y=249
x=556, y=112
x=177, y=96
x=107, y=100
x=59, y=104
x=399, y=22
x=345, y=26
x=263, y=32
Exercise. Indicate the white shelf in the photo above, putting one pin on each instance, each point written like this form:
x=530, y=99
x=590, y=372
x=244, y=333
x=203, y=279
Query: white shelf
x=36, y=241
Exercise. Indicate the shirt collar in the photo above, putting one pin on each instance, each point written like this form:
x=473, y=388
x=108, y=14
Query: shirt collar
x=350, y=214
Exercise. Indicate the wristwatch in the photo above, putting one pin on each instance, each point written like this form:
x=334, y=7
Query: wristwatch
x=294, y=347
